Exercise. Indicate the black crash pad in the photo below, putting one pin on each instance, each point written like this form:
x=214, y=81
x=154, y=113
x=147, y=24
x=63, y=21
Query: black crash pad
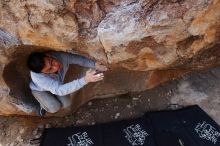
x=189, y=126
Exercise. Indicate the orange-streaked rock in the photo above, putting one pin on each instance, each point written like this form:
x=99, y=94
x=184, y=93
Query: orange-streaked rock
x=144, y=43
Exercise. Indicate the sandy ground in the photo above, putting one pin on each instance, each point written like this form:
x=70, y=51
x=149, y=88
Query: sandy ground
x=199, y=87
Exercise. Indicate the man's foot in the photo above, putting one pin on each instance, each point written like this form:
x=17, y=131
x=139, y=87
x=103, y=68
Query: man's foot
x=41, y=112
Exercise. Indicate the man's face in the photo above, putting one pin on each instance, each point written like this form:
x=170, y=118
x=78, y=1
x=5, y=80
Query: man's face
x=51, y=65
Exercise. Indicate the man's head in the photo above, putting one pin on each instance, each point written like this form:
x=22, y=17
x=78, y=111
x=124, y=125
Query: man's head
x=40, y=62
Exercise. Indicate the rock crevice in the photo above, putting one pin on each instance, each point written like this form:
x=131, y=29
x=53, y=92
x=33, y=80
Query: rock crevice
x=143, y=42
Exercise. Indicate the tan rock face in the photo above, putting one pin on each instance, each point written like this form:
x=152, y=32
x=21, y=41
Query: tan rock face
x=143, y=42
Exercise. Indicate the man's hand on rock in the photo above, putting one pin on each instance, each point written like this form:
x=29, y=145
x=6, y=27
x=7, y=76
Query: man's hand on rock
x=100, y=67
x=91, y=76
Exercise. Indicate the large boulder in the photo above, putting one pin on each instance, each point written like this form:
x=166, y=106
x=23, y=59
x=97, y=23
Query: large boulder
x=144, y=43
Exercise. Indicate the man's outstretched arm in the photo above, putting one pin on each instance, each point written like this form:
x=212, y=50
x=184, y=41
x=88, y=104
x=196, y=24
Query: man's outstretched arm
x=78, y=59
x=83, y=61
x=57, y=88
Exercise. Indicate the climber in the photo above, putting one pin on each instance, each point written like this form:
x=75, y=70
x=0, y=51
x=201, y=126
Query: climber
x=48, y=69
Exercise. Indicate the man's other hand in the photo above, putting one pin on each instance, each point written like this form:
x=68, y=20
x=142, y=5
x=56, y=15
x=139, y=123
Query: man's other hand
x=99, y=66
x=92, y=77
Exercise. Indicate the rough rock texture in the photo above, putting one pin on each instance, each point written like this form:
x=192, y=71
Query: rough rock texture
x=144, y=42
x=199, y=87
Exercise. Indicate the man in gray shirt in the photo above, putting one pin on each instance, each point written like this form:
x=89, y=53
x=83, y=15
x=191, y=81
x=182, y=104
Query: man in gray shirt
x=48, y=70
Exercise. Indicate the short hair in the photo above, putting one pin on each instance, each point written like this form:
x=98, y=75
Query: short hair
x=35, y=61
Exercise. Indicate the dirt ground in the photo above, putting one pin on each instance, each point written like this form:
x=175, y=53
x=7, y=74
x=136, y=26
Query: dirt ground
x=198, y=87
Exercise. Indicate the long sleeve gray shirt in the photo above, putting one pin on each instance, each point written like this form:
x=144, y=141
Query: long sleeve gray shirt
x=54, y=82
